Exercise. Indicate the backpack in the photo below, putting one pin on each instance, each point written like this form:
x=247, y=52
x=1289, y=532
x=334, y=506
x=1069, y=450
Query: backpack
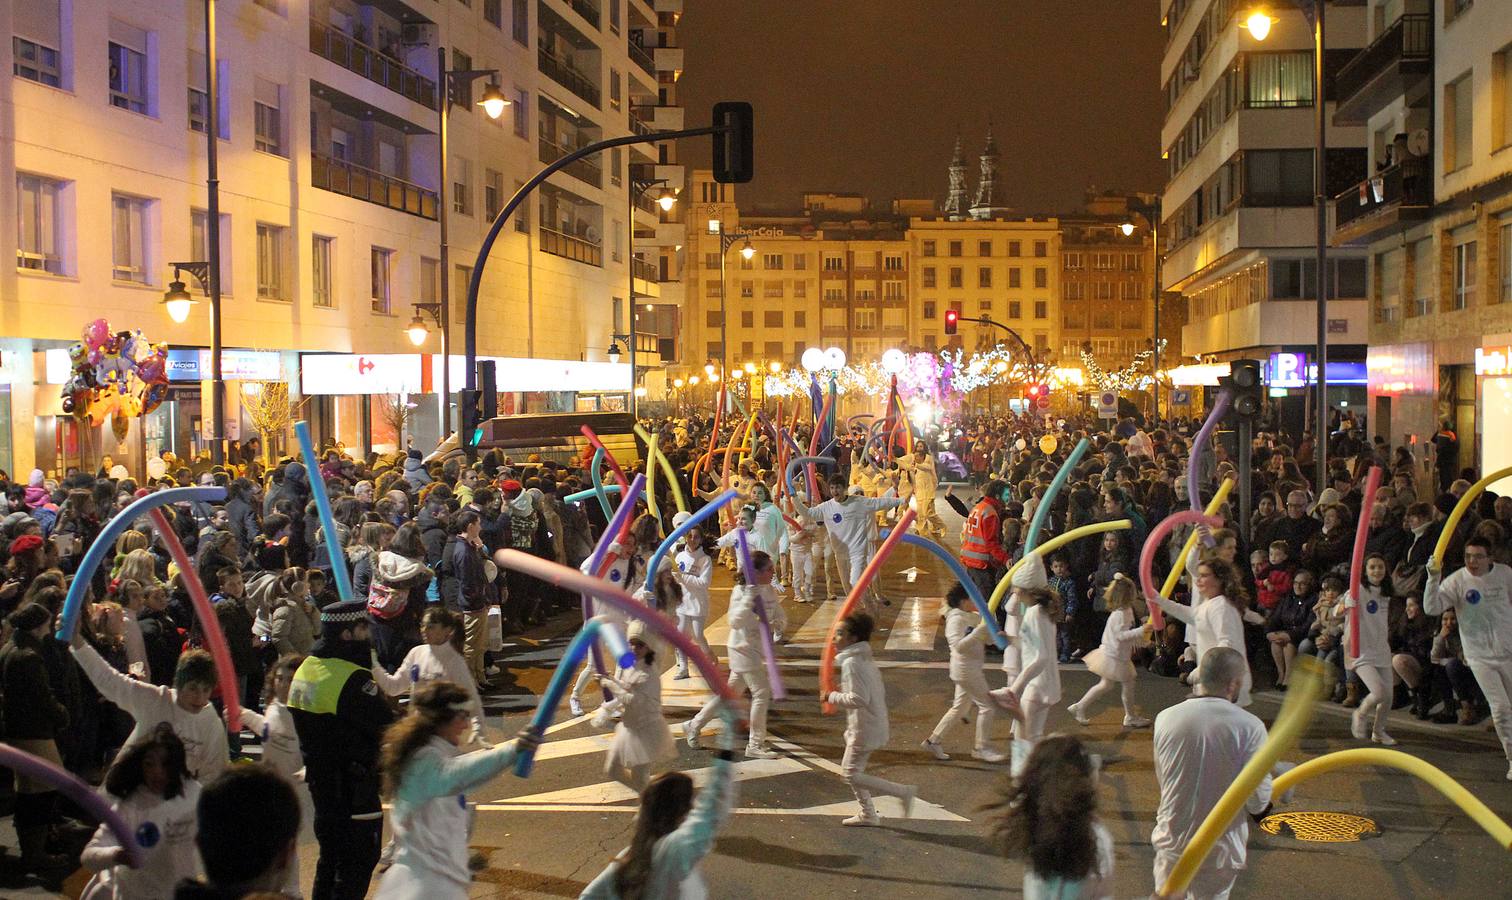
x=387, y=602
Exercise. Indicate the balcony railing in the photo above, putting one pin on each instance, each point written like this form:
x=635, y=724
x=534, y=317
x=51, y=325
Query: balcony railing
x=641, y=56
x=568, y=77
x=643, y=201
x=1408, y=184
x=352, y=54
x=642, y=269
x=352, y=180
x=582, y=169
x=576, y=249
x=587, y=9
x=1408, y=39
x=640, y=126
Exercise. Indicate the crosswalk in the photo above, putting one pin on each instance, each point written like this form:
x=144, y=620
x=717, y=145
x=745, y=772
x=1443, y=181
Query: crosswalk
x=915, y=625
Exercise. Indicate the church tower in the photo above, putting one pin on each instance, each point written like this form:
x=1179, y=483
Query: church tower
x=989, y=196
x=955, y=203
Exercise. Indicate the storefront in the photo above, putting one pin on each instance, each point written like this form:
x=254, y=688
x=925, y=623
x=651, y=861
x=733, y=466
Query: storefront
x=1493, y=370
x=1403, y=386
x=381, y=402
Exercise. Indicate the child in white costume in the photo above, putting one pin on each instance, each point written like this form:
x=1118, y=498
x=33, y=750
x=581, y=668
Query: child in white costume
x=1373, y=662
x=1112, y=661
x=642, y=739
x=803, y=536
x=694, y=572
x=437, y=659
x=747, y=660
x=1217, y=615
x=968, y=637
x=281, y=751
x=628, y=573
x=1037, y=685
x=851, y=523
x=863, y=696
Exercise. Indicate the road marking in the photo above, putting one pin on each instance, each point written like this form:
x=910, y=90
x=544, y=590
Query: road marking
x=816, y=630
x=923, y=809
x=718, y=632
x=608, y=792
x=916, y=624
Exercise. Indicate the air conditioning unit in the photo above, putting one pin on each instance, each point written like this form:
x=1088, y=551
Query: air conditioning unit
x=418, y=34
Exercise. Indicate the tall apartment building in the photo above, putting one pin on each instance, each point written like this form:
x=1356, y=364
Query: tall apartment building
x=329, y=196
x=1434, y=91
x=1238, y=214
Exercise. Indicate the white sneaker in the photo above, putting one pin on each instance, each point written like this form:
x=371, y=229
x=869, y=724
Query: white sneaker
x=779, y=587
x=575, y=706
x=1384, y=739
x=1136, y=722
x=1509, y=772
x=491, y=671
x=691, y=734
x=910, y=794
x=862, y=820
x=1357, y=723
x=987, y=754
x=1076, y=713
x=681, y=675
x=756, y=751
x=934, y=748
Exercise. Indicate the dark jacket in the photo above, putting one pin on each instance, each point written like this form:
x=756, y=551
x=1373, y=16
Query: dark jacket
x=1295, y=532
x=1414, y=638
x=164, y=644
x=1390, y=541
x=432, y=536
x=464, y=585
x=1293, y=615
x=32, y=711
x=1325, y=550
x=243, y=521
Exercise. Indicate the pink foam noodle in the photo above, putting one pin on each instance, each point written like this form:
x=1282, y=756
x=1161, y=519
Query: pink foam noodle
x=1152, y=544
x=1357, y=560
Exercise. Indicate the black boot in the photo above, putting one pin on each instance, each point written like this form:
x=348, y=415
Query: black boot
x=1400, y=696
x=1422, y=701
x=33, y=816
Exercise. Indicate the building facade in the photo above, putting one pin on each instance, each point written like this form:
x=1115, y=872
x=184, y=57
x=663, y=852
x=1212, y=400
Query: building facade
x=330, y=194
x=1107, y=285
x=1238, y=221
x=1434, y=91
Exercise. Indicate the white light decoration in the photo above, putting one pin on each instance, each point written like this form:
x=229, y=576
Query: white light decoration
x=834, y=359
x=894, y=360
x=813, y=359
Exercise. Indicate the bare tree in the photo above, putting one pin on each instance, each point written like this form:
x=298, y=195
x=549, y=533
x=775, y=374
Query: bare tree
x=397, y=411
x=271, y=412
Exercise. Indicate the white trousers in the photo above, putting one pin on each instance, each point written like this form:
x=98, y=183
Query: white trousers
x=1377, y=680
x=853, y=770
x=761, y=700
x=802, y=565
x=1495, y=680
x=1210, y=882
x=968, y=692
x=1126, y=693
x=693, y=627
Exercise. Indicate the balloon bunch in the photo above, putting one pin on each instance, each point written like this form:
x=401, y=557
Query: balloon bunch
x=115, y=373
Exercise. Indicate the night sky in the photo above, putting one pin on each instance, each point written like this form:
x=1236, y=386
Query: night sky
x=867, y=95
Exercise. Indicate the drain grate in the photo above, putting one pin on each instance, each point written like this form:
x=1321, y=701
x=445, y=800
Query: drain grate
x=1320, y=827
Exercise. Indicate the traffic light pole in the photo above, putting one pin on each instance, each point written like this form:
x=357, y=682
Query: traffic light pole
x=1034, y=364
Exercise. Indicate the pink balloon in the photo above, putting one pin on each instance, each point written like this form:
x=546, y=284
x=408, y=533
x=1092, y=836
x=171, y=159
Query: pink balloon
x=96, y=333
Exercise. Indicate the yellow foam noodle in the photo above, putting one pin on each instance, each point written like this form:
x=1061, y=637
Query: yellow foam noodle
x=661, y=460
x=1296, y=711
x=1460, y=509
x=746, y=437
x=1426, y=772
x=1191, y=542
x=1055, y=543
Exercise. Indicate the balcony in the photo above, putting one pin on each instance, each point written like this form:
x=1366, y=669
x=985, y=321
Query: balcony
x=568, y=77
x=587, y=9
x=645, y=271
x=1385, y=203
x=355, y=56
x=352, y=180
x=639, y=54
x=574, y=248
x=1399, y=58
x=581, y=169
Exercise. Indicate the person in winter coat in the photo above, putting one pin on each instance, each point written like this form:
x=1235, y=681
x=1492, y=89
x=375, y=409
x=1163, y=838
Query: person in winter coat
x=1412, y=654
x=399, y=581
x=432, y=521
x=362, y=554
x=33, y=717
x=1289, y=623
x=160, y=636
x=1333, y=543
x=414, y=471
x=294, y=618
x=426, y=775
x=863, y=696
x=465, y=587
x=241, y=507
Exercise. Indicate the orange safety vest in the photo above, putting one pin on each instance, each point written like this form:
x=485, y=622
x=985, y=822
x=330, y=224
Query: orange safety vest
x=981, y=543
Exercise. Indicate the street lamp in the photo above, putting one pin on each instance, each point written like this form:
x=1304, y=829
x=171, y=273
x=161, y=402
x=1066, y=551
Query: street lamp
x=813, y=359
x=1151, y=214
x=614, y=352
x=747, y=251
x=178, y=301
x=493, y=102
x=638, y=186
x=179, y=305
x=416, y=329
x=1259, y=26
x=1127, y=228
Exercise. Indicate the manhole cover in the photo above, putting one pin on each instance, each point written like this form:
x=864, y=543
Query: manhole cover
x=1320, y=827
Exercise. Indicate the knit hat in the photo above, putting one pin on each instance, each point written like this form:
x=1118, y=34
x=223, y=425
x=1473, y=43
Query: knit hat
x=511, y=485
x=636, y=631
x=1031, y=574
x=340, y=616
x=680, y=518
x=25, y=543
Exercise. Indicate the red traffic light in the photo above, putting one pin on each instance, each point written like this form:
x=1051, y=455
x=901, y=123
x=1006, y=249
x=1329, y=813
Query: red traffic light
x=952, y=319
x=1034, y=390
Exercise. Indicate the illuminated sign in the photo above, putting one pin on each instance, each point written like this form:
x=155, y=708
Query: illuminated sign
x=1292, y=370
x=1205, y=375
x=236, y=365
x=404, y=373
x=1493, y=360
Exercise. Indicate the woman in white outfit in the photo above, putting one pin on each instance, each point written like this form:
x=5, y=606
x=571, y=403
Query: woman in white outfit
x=629, y=574
x=1038, y=684
x=694, y=572
x=426, y=775
x=1218, y=616
x=642, y=739
x=1373, y=664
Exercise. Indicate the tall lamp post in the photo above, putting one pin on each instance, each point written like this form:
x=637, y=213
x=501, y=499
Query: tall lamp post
x=493, y=103
x=1259, y=26
x=1151, y=213
x=179, y=303
x=726, y=241
x=666, y=201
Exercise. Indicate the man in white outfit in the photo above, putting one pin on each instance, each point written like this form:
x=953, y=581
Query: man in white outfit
x=1201, y=745
x=863, y=696
x=1481, y=596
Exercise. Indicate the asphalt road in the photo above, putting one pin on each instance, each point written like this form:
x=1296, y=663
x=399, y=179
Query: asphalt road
x=548, y=835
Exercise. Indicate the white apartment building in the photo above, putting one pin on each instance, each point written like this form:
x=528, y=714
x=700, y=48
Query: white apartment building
x=329, y=201
x=1434, y=90
x=1237, y=212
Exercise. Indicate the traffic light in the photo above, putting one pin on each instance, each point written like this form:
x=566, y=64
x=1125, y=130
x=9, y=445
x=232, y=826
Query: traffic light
x=734, y=143
x=952, y=320
x=1244, y=383
x=478, y=407
x=1033, y=391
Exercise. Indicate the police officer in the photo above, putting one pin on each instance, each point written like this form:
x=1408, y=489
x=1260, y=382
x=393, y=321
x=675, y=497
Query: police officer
x=340, y=716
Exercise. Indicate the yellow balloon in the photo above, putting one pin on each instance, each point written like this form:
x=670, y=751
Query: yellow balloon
x=1047, y=444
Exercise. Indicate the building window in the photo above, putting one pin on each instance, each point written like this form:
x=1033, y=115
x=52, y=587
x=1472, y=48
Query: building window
x=1073, y=290
x=270, y=261
x=864, y=319
x=955, y=248
x=984, y=248
x=199, y=244
x=800, y=262
x=36, y=62
x=892, y=290
x=321, y=257
x=1015, y=309
x=1505, y=245
x=39, y=246
x=1102, y=290
x=462, y=88
x=928, y=248
x=1041, y=248
x=614, y=89
x=1103, y=262
x=521, y=107
x=1464, y=275
x=984, y=277
x=772, y=290
x=1041, y=277
x=493, y=193
x=1459, y=121
x=1279, y=80
x=834, y=295
x=128, y=77
x=520, y=23
x=800, y=319
x=711, y=260
x=713, y=289
x=267, y=118
x=984, y=308
x=747, y=349
x=928, y=277
x=713, y=319
x=1501, y=98
x=383, y=280
x=1041, y=309
x=772, y=261
x=800, y=290
x=1015, y=277
x=892, y=263
x=772, y=318
x=493, y=11
x=957, y=278
x=1014, y=248
x=521, y=213
x=1073, y=260
x=747, y=318
x=462, y=202
x=833, y=262
x=1278, y=178
x=747, y=289
x=929, y=309
x=129, y=221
